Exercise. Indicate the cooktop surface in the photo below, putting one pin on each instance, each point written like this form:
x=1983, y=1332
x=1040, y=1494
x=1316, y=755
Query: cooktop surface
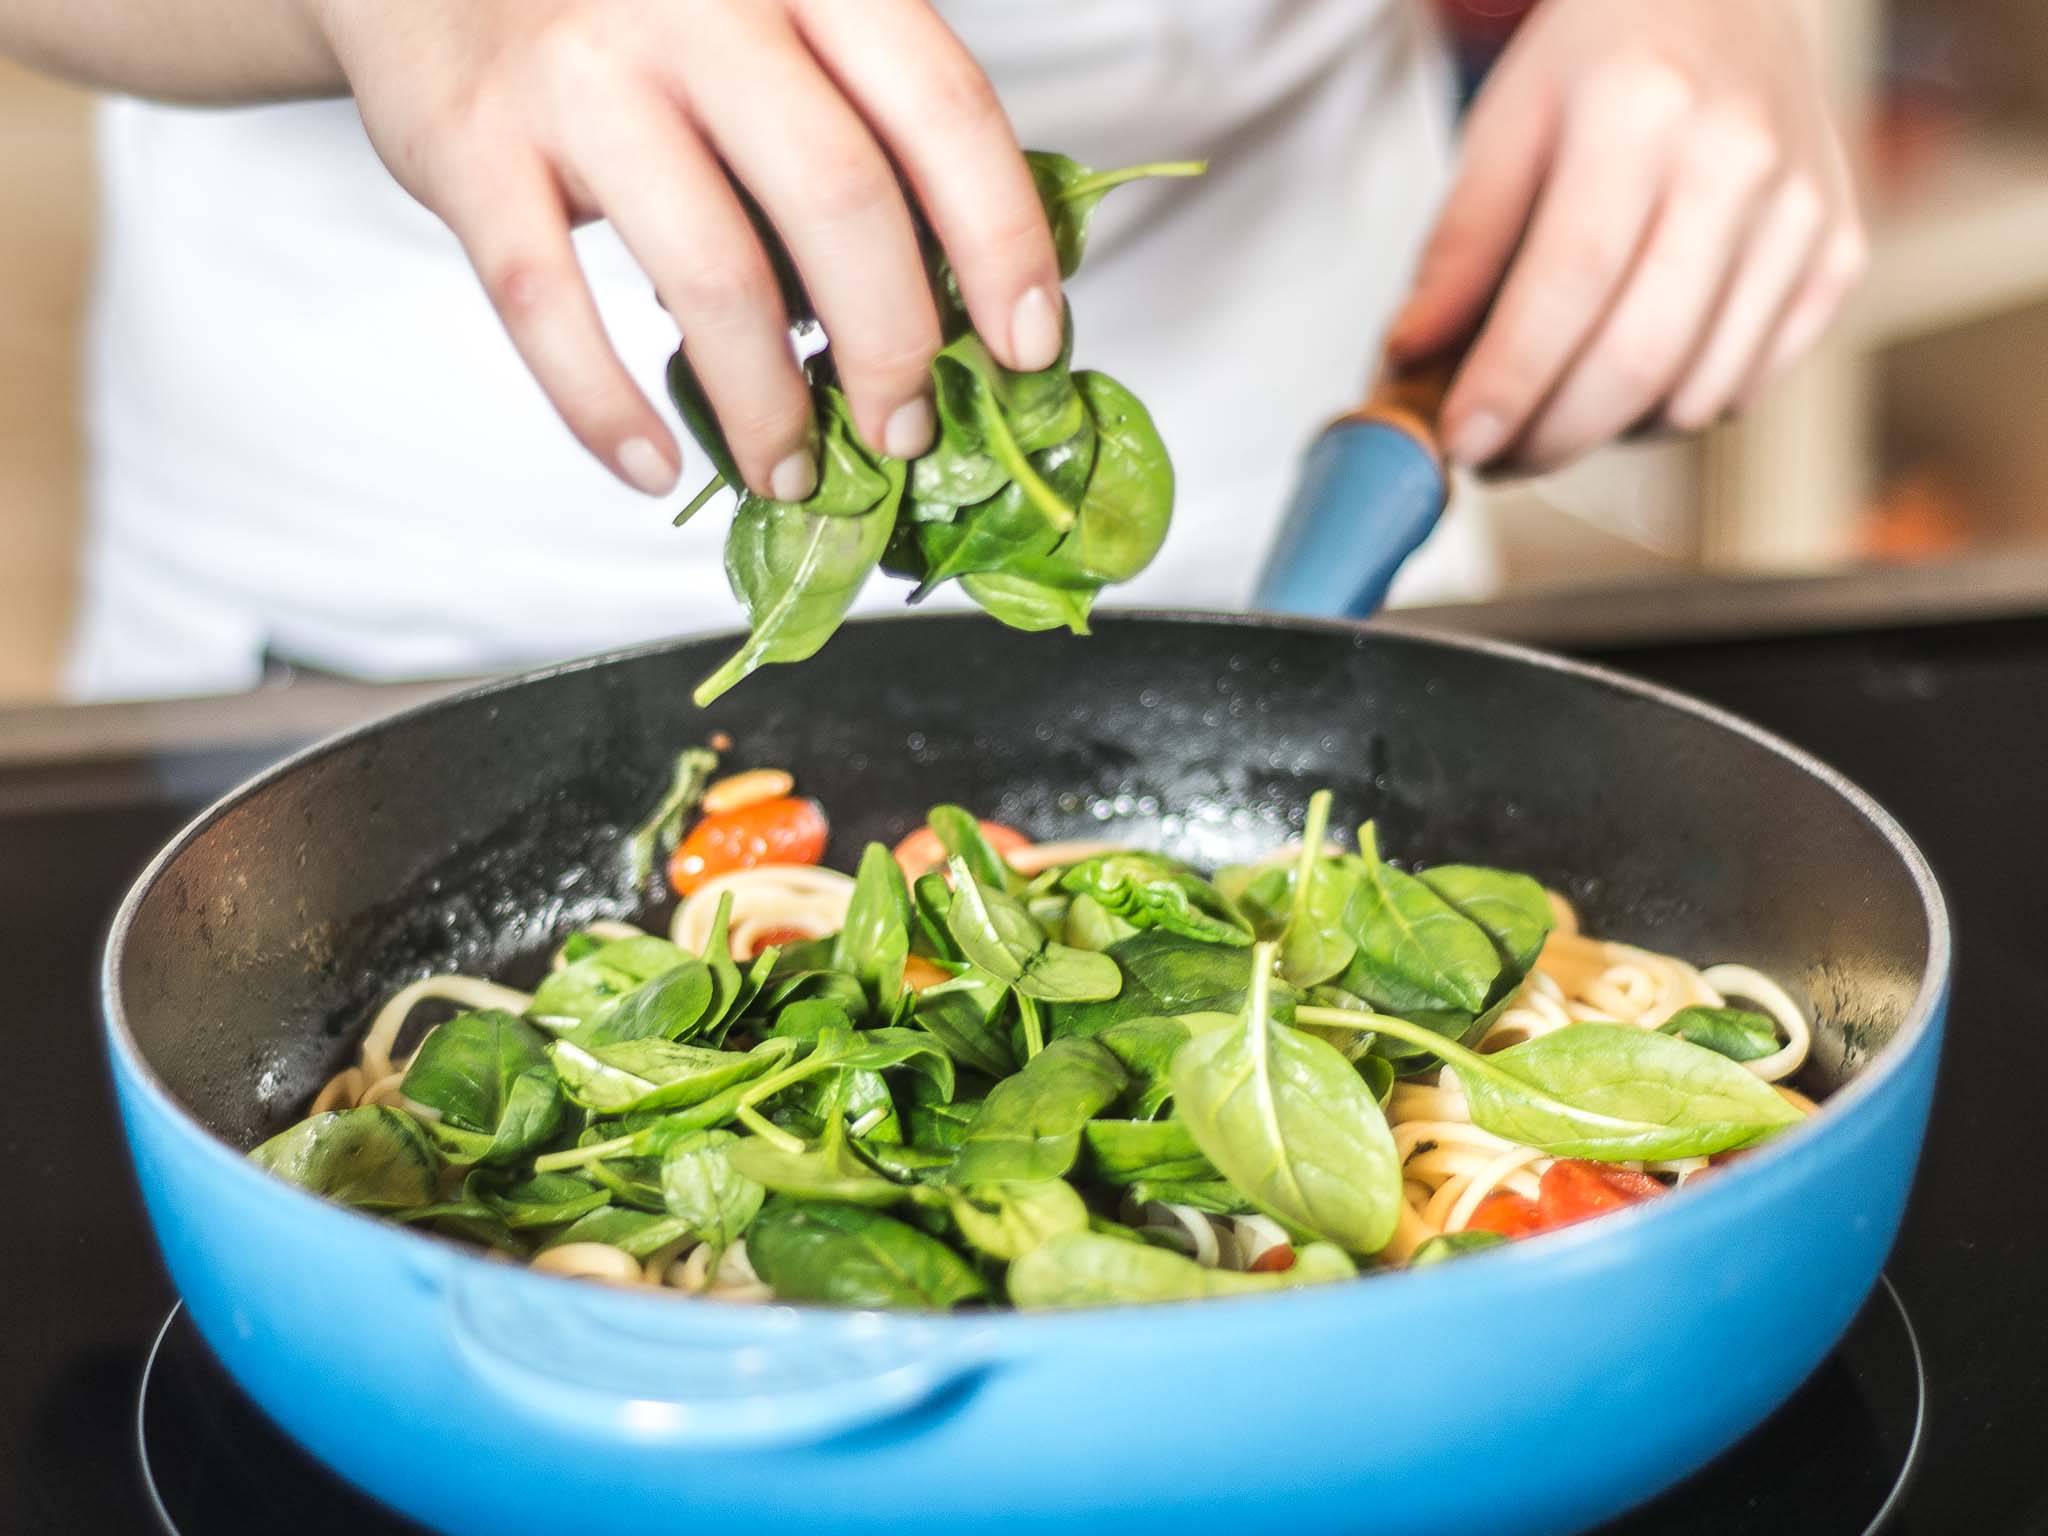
x=1927, y=1419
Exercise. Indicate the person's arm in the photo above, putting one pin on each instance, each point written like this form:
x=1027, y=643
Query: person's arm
x=514, y=119
x=199, y=51
x=1652, y=218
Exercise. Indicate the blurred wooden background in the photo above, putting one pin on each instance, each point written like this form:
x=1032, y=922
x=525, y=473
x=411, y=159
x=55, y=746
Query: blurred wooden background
x=45, y=255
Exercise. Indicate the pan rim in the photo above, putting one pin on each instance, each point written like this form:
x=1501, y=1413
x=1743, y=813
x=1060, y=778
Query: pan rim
x=1921, y=1019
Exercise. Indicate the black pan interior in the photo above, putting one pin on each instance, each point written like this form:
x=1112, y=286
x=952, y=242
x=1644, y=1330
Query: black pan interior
x=472, y=833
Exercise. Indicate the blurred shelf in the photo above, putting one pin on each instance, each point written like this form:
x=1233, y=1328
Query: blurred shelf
x=1969, y=239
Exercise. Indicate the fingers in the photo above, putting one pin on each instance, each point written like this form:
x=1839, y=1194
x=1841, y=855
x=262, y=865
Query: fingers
x=1614, y=149
x=935, y=110
x=1838, y=266
x=1509, y=140
x=1778, y=255
x=672, y=205
x=517, y=238
x=1725, y=161
x=833, y=198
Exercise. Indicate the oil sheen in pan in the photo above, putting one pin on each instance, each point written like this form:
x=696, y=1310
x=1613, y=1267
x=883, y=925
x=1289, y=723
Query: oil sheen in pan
x=1835, y=1459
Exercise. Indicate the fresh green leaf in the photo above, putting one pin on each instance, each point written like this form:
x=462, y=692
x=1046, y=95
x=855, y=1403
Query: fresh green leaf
x=1415, y=949
x=1735, y=1033
x=1161, y=1151
x=1088, y=1269
x=854, y=1256
x=1029, y=1126
x=965, y=1016
x=579, y=991
x=675, y=1004
x=1513, y=909
x=542, y=1200
x=1287, y=1120
x=1149, y=890
x=375, y=1157
x=828, y=1172
x=655, y=839
x=874, y=941
x=1007, y=1221
x=640, y=1233
x=650, y=1074
x=1314, y=945
x=1071, y=191
x=1146, y=1048
x=998, y=935
x=1610, y=1091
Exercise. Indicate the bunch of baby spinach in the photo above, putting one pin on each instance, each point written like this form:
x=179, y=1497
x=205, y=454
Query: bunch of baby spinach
x=1039, y=490
x=1114, y=1032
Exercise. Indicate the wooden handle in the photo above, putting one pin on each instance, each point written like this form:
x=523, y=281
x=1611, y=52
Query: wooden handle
x=1411, y=399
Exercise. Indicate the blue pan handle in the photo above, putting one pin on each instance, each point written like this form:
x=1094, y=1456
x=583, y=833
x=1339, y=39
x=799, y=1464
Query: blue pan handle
x=667, y=1371
x=1372, y=487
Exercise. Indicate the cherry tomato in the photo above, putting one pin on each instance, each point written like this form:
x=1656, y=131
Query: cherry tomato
x=1574, y=1189
x=1509, y=1214
x=775, y=938
x=919, y=973
x=788, y=830
x=1275, y=1260
x=922, y=852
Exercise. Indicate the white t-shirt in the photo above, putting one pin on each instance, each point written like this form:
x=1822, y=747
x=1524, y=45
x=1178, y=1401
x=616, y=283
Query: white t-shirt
x=310, y=436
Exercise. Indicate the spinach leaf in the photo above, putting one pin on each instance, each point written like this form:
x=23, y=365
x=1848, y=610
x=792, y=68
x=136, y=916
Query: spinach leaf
x=1071, y=191
x=1314, y=945
x=1167, y=976
x=965, y=1016
x=1446, y=1246
x=640, y=1233
x=1610, y=1091
x=874, y=941
x=1128, y=502
x=857, y=1257
x=1415, y=950
x=1512, y=908
x=674, y=1004
x=1087, y=924
x=1161, y=1151
x=827, y=1172
x=1029, y=1126
x=960, y=835
x=1735, y=1033
x=798, y=566
x=375, y=1158
x=1287, y=1120
x=656, y=838
x=1214, y=1197
x=543, y=1200
x=1149, y=890
x=579, y=991
x=651, y=1074
x=998, y=935
x=1033, y=606
x=1145, y=1047
x=1089, y=1269
x=486, y=1076
x=1007, y=1221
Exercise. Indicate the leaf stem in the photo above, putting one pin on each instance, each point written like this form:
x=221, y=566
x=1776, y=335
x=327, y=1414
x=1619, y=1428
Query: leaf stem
x=768, y=1130
x=1314, y=829
x=711, y=488
x=583, y=1157
x=1102, y=181
x=1398, y=1029
x=1034, y=1035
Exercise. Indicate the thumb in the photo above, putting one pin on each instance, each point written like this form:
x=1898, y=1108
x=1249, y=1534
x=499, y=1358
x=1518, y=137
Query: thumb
x=1510, y=136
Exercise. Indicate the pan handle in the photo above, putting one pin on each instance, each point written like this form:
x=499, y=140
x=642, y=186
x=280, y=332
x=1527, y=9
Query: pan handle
x=675, y=1373
x=1373, y=485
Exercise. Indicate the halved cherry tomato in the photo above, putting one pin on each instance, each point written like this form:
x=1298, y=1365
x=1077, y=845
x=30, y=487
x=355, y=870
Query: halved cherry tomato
x=785, y=831
x=775, y=938
x=921, y=852
x=1275, y=1260
x=919, y=973
x=1573, y=1189
x=1509, y=1214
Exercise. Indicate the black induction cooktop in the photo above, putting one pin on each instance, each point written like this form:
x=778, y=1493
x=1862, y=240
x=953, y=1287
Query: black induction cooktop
x=1927, y=1419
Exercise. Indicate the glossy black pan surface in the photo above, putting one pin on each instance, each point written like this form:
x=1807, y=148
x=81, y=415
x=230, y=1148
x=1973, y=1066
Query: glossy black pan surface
x=1204, y=736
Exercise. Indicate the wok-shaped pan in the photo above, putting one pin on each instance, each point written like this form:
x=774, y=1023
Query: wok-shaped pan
x=1539, y=1387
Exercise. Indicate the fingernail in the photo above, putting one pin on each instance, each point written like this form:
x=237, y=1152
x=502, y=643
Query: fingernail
x=644, y=467
x=1477, y=439
x=909, y=431
x=1036, y=331
x=794, y=478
